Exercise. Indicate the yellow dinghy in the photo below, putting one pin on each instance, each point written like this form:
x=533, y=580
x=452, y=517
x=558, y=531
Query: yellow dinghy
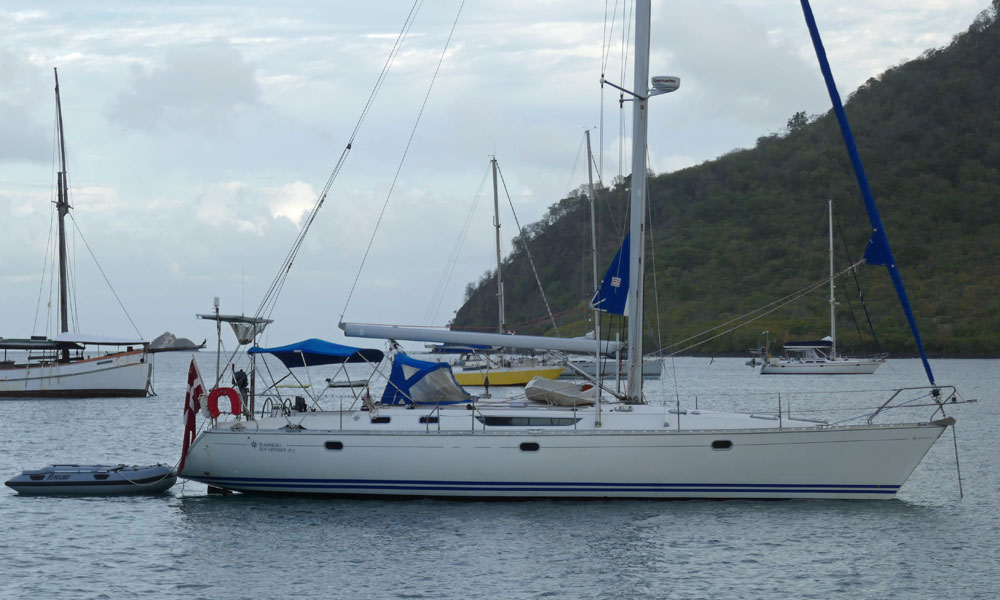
x=506, y=375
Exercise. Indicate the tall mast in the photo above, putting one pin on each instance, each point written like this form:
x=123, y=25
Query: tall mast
x=501, y=325
x=62, y=206
x=833, y=300
x=593, y=253
x=636, y=224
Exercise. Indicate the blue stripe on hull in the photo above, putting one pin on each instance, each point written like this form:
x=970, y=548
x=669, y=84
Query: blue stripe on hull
x=417, y=487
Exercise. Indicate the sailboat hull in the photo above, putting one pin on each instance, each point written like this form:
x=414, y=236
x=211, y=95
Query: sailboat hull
x=121, y=374
x=860, y=462
x=506, y=376
x=820, y=367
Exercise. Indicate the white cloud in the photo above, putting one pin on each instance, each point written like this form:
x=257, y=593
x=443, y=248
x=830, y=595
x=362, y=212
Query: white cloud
x=293, y=201
x=22, y=137
x=199, y=88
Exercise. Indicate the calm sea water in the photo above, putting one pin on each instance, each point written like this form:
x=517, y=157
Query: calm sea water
x=927, y=543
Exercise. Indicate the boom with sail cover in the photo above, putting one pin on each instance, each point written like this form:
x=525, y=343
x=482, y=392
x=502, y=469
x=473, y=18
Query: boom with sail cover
x=445, y=336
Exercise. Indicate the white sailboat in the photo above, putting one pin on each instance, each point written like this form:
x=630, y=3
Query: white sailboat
x=615, y=449
x=487, y=369
x=72, y=365
x=820, y=357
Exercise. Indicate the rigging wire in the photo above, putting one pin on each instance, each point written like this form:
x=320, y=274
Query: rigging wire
x=622, y=119
x=274, y=290
x=652, y=262
x=861, y=296
x=402, y=159
x=48, y=246
x=106, y=280
x=572, y=171
x=71, y=275
x=763, y=312
x=607, y=35
x=438, y=297
x=41, y=283
x=524, y=240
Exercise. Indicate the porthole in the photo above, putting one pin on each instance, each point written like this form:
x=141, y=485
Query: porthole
x=529, y=447
x=334, y=445
x=426, y=419
x=722, y=445
x=100, y=475
x=380, y=419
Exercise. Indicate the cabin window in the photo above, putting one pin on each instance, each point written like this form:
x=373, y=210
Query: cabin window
x=502, y=421
x=529, y=447
x=100, y=475
x=722, y=445
x=426, y=419
x=381, y=419
x=334, y=445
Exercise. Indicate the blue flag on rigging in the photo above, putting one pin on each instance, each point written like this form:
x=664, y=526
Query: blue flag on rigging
x=612, y=295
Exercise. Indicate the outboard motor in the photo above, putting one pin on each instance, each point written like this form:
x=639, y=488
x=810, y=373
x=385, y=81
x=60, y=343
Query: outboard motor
x=241, y=383
x=300, y=404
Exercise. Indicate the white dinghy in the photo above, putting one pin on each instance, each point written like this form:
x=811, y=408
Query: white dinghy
x=94, y=480
x=560, y=393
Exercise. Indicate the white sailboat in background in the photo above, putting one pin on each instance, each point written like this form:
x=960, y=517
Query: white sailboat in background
x=820, y=357
x=72, y=365
x=486, y=368
x=414, y=446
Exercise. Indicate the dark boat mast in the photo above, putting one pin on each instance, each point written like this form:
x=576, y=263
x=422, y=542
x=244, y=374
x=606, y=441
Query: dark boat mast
x=62, y=205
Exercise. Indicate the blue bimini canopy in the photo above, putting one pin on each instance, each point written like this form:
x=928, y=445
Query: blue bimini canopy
x=313, y=352
x=413, y=381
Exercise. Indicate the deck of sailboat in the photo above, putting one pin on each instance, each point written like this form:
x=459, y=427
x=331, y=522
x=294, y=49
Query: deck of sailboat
x=521, y=418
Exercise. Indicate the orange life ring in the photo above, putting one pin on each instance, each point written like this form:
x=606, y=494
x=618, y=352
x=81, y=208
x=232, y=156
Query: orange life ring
x=236, y=403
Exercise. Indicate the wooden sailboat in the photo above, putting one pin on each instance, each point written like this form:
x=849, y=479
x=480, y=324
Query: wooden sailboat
x=72, y=365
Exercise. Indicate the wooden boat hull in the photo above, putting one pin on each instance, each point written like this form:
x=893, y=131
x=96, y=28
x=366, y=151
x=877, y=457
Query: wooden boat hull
x=121, y=374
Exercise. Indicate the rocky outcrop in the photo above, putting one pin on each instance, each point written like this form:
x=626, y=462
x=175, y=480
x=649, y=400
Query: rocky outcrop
x=168, y=341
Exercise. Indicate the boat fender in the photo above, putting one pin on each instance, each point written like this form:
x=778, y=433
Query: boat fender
x=234, y=401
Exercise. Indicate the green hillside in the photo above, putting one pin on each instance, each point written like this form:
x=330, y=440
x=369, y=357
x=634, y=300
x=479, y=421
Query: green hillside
x=734, y=234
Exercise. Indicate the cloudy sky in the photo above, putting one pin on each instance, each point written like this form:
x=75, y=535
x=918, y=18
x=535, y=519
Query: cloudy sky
x=199, y=134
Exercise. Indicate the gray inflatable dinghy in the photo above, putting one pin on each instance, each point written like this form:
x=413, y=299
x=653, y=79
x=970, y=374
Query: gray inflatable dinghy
x=94, y=480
